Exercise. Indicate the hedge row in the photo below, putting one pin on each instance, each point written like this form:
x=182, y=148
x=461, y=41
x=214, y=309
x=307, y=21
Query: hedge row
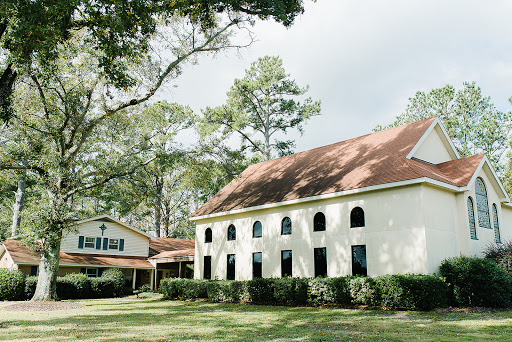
x=416, y=292
x=14, y=285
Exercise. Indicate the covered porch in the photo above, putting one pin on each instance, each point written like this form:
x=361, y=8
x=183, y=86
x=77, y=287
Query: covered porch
x=172, y=264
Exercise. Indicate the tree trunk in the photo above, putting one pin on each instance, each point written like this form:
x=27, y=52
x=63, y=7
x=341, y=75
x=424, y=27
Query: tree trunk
x=48, y=269
x=18, y=207
x=159, y=184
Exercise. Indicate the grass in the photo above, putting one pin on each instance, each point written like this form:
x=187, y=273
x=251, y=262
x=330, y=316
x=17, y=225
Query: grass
x=159, y=320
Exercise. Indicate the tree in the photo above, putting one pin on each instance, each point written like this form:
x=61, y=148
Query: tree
x=472, y=121
x=261, y=105
x=63, y=100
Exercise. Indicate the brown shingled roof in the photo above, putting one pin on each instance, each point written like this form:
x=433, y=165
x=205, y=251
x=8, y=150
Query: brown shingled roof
x=159, y=245
x=372, y=159
x=24, y=255
x=173, y=254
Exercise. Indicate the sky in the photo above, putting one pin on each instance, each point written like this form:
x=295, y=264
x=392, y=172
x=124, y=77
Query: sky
x=363, y=59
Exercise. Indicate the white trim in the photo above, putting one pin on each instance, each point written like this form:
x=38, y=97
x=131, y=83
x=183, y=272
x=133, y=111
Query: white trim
x=110, y=218
x=332, y=195
x=86, y=265
x=484, y=161
x=432, y=126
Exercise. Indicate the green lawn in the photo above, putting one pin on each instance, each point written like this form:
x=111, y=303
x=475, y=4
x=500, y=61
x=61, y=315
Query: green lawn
x=159, y=320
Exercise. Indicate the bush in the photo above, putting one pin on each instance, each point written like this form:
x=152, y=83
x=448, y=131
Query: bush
x=30, y=286
x=102, y=288
x=12, y=283
x=145, y=288
x=179, y=288
x=364, y=290
x=74, y=286
x=261, y=290
x=477, y=282
x=227, y=291
x=291, y=290
x=501, y=254
x=115, y=277
x=416, y=292
x=329, y=290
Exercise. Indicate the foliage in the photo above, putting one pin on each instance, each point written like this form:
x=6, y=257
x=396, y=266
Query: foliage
x=117, y=279
x=291, y=290
x=364, y=290
x=477, y=281
x=12, y=283
x=227, y=291
x=501, y=254
x=472, y=121
x=145, y=288
x=30, y=286
x=261, y=290
x=74, y=286
x=182, y=288
x=261, y=104
x=329, y=290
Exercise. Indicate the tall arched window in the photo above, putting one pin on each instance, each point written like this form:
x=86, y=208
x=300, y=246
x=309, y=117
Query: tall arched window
x=208, y=235
x=496, y=224
x=357, y=217
x=286, y=226
x=231, y=232
x=319, y=222
x=482, y=205
x=257, y=229
x=471, y=216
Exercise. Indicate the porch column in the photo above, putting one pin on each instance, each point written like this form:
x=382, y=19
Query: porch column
x=134, y=278
x=151, y=279
x=179, y=270
x=156, y=277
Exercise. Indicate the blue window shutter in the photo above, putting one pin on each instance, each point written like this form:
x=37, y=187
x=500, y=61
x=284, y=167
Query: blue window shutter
x=105, y=243
x=98, y=243
x=121, y=244
x=83, y=270
x=33, y=270
x=80, y=242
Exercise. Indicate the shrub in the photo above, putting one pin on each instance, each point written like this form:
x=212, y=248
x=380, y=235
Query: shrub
x=74, y=286
x=30, y=286
x=477, y=282
x=501, y=254
x=102, y=288
x=291, y=290
x=364, y=290
x=416, y=292
x=227, y=291
x=179, y=288
x=116, y=278
x=145, y=288
x=194, y=288
x=261, y=290
x=11, y=284
x=329, y=290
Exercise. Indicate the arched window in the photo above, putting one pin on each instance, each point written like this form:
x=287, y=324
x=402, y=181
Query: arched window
x=231, y=233
x=286, y=226
x=319, y=222
x=471, y=216
x=208, y=235
x=482, y=205
x=496, y=224
x=257, y=229
x=357, y=217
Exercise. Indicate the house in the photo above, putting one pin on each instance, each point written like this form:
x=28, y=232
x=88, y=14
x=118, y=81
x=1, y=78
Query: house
x=103, y=242
x=396, y=201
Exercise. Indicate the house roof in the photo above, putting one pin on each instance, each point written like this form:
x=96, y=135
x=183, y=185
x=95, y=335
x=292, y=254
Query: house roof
x=22, y=254
x=174, y=254
x=109, y=218
x=159, y=245
x=369, y=160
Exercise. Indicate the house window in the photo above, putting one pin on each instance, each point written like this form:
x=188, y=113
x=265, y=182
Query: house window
x=320, y=262
x=230, y=274
x=231, y=233
x=207, y=267
x=89, y=242
x=359, y=260
x=286, y=263
x=357, y=217
x=91, y=272
x=286, y=226
x=257, y=229
x=257, y=260
x=471, y=216
x=113, y=244
x=208, y=235
x=482, y=205
x=319, y=222
x=497, y=236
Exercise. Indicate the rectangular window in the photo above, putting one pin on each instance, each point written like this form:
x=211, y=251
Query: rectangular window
x=320, y=262
x=257, y=259
x=230, y=274
x=207, y=267
x=89, y=242
x=113, y=244
x=91, y=272
x=286, y=264
x=359, y=260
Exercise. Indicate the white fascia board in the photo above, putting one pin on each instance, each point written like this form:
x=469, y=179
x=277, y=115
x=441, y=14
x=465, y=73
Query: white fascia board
x=105, y=216
x=332, y=195
x=484, y=161
x=426, y=134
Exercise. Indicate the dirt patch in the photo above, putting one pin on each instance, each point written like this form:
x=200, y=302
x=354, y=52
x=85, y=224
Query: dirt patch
x=41, y=306
x=475, y=309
